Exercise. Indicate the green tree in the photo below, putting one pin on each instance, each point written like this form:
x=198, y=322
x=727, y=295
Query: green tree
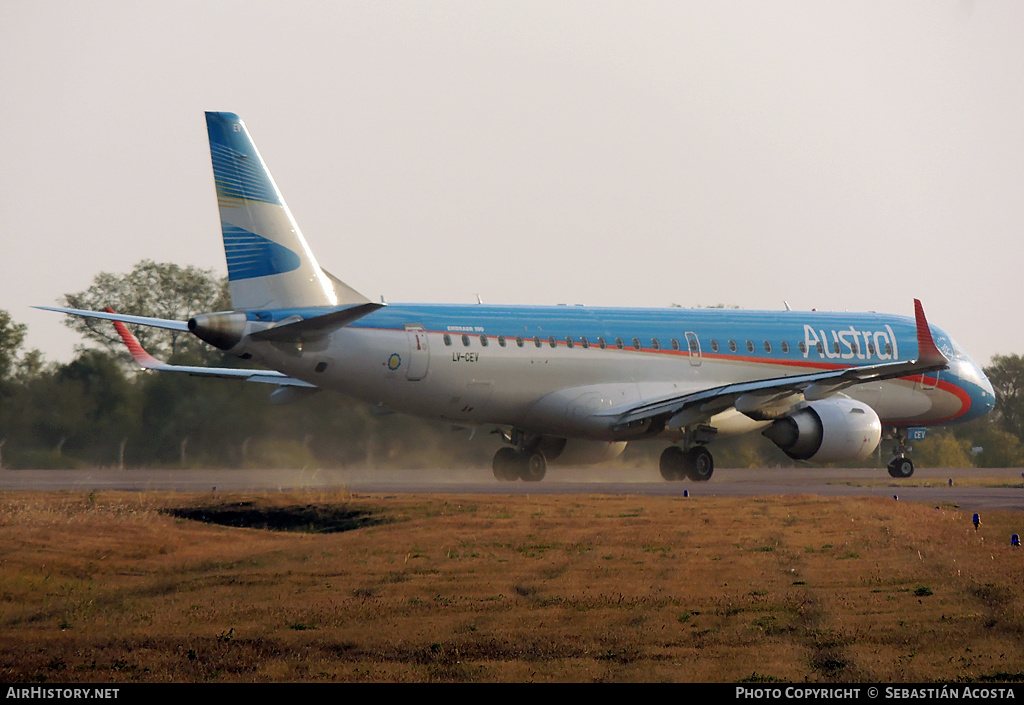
x=992, y=447
x=64, y=415
x=158, y=290
x=942, y=449
x=110, y=405
x=1006, y=373
x=11, y=337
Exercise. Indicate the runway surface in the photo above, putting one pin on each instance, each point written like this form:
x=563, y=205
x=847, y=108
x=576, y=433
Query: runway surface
x=971, y=489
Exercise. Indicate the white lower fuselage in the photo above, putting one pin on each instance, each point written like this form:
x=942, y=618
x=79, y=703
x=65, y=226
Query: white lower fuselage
x=440, y=362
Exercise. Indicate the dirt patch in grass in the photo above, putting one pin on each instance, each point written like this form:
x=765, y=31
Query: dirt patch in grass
x=308, y=518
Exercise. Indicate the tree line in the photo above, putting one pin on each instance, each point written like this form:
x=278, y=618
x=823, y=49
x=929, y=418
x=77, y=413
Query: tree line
x=99, y=411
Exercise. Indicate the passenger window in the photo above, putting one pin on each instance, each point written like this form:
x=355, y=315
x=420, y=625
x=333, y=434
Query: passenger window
x=820, y=347
x=802, y=347
x=568, y=341
x=871, y=349
x=767, y=347
x=732, y=346
x=447, y=339
x=785, y=347
x=586, y=343
x=835, y=347
x=714, y=345
x=501, y=340
x=619, y=344
x=655, y=344
x=636, y=343
x=552, y=342
x=750, y=346
x=855, y=347
x=675, y=344
x=483, y=341
x=519, y=341
x=536, y=340
x=693, y=345
x=465, y=340
x=601, y=344
x=888, y=349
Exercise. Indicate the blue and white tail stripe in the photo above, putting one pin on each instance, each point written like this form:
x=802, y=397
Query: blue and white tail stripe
x=238, y=176
x=270, y=265
x=250, y=256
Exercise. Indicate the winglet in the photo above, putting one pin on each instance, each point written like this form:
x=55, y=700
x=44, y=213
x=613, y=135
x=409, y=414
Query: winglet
x=928, y=354
x=143, y=358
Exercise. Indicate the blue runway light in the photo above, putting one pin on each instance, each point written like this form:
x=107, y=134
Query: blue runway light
x=686, y=493
x=1015, y=540
x=977, y=521
x=951, y=482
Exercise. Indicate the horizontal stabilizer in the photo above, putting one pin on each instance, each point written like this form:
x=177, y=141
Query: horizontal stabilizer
x=111, y=316
x=317, y=324
x=148, y=362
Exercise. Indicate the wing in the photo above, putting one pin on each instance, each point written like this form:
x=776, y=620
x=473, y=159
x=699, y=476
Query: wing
x=147, y=361
x=111, y=316
x=769, y=398
x=289, y=330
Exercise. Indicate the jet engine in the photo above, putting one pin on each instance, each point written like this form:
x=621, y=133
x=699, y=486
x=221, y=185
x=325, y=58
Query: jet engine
x=830, y=429
x=223, y=329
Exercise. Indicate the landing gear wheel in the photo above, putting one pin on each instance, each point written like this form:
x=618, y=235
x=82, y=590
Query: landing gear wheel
x=535, y=467
x=700, y=464
x=901, y=468
x=673, y=464
x=506, y=464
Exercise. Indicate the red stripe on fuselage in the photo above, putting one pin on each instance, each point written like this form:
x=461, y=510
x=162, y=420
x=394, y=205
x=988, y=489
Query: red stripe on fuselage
x=958, y=392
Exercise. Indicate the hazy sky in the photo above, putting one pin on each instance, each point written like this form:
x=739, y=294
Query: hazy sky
x=837, y=155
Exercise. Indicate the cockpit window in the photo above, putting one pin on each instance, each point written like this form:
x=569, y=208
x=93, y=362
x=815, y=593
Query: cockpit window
x=958, y=352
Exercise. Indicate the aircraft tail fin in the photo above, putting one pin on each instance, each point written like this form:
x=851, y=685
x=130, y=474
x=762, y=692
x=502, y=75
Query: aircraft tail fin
x=269, y=263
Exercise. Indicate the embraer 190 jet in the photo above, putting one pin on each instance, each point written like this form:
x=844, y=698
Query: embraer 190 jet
x=566, y=384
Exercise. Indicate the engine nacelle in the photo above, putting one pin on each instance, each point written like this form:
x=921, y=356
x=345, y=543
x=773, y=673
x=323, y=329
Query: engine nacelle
x=830, y=429
x=223, y=329
x=574, y=451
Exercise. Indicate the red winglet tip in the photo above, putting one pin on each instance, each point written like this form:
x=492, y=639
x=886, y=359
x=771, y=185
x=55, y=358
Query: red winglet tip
x=927, y=351
x=132, y=343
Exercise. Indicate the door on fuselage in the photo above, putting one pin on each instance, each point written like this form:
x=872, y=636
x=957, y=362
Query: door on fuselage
x=693, y=344
x=419, y=353
x=930, y=382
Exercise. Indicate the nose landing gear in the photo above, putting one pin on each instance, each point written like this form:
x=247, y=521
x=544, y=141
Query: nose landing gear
x=901, y=467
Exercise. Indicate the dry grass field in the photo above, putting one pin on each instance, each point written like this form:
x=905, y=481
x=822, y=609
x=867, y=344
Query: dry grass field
x=123, y=587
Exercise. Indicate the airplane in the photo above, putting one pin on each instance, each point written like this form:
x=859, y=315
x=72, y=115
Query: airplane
x=565, y=384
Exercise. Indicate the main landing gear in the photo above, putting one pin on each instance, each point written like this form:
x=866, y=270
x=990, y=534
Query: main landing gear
x=697, y=464
x=901, y=466
x=512, y=464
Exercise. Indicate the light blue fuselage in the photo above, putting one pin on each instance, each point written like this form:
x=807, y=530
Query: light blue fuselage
x=504, y=364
